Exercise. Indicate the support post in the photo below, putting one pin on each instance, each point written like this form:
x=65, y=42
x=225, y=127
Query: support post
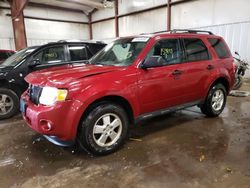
x=116, y=18
x=17, y=7
x=90, y=26
x=169, y=16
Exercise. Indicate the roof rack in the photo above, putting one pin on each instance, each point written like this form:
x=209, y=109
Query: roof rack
x=184, y=31
x=190, y=31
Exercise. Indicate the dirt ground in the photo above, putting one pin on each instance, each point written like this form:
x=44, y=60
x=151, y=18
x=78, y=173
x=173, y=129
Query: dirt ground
x=183, y=149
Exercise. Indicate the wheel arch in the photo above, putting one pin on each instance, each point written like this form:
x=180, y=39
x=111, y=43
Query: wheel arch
x=121, y=101
x=223, y=81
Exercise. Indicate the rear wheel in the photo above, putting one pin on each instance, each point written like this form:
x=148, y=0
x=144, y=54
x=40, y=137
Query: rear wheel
x=104, y=130
x=215, y=101
x=9, y=103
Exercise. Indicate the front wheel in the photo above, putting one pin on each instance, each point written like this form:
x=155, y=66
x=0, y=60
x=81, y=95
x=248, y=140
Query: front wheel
x=215, y=101
x=104, y=129
x=9, y=103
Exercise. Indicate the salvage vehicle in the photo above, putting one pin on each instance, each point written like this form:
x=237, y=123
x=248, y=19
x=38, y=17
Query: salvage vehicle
x=5, y=54
x=241, y=68
x=17, y=66
x=131, y=79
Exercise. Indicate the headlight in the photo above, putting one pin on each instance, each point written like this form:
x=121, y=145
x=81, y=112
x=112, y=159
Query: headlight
x=50, y=95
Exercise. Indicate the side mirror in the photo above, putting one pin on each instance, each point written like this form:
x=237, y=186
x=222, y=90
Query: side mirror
x=34, y=63
x=153, y=61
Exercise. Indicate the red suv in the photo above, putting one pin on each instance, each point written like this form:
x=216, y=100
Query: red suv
x=131, y=79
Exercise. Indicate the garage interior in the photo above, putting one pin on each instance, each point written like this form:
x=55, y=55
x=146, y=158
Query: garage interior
x=181, y=149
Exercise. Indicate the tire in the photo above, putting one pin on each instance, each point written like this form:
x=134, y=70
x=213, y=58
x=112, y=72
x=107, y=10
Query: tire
x=211, y=108
x=103, y=139
x=238, y=82
x=8, y=101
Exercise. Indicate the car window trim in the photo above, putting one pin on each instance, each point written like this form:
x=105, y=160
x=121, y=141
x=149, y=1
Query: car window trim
x=85, y=49
x=185, y=50
x=179, y=46
x=56, y=45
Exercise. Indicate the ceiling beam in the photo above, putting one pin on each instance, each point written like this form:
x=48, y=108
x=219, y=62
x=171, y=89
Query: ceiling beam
x=40, y=5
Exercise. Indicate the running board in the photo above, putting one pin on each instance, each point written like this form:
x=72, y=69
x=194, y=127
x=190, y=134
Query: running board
x=166, y=111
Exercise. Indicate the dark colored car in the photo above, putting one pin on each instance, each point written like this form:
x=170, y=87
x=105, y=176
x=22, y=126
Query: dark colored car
x=5, y=54
x=133, y=78
x=15, y=68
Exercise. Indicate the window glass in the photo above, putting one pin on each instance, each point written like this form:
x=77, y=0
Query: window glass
x=196, y=50
x=3, y=56
x=121, y=52
x=168, y=49
x=220, y=48
x=51, y=55
x=77, y=53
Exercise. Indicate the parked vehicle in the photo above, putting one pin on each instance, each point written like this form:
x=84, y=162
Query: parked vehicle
x=131, y=79
x=5, y=54
x=16, y=67
x=241, y=67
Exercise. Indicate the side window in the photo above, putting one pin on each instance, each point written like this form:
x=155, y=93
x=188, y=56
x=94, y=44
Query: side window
x=77, y=53
x=196, y=50
x=168, y=49
x=220, y=48
x=51, y=55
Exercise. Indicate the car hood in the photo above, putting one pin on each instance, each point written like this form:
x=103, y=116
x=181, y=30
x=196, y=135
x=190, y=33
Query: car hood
x=59, y=76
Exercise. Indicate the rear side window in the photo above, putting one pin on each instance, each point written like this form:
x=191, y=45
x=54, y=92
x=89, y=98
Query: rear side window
x=220, y=48
x=94, y=48
x=196, y=50
x=77, y=53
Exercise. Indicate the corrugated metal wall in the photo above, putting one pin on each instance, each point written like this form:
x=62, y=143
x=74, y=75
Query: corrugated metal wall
x=40, y=31
x=6, y=31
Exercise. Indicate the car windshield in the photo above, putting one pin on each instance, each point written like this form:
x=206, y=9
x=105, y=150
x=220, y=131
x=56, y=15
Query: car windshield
x=122, y=52
x=17, y=57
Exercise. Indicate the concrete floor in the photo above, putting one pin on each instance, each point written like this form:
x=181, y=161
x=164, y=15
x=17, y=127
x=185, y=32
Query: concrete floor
x=183, y=149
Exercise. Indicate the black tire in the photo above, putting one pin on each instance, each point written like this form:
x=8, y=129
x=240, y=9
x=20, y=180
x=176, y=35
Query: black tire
x=86, y=138
x=12, y=96
x=207, y=108
x=238, y=82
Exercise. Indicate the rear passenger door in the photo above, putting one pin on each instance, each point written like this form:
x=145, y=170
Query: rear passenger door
x=197, y=68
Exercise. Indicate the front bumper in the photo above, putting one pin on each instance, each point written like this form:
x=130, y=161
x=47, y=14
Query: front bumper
x=58, y=122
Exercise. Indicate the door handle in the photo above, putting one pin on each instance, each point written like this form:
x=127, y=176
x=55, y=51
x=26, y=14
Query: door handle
x=210, y=67
x=177, y=72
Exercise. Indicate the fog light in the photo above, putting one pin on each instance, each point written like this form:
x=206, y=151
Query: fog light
x=46, y=125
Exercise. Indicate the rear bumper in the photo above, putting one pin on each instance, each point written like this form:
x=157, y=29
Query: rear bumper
x=58, y=123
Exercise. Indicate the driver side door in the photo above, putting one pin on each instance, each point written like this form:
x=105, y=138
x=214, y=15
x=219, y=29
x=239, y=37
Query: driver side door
x=162, y=87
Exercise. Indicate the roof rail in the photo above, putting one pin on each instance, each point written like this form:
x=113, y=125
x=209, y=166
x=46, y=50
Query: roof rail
x=190, y=31
x=184, y=31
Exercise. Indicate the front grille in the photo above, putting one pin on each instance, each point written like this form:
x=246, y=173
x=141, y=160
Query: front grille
x=34, y=93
